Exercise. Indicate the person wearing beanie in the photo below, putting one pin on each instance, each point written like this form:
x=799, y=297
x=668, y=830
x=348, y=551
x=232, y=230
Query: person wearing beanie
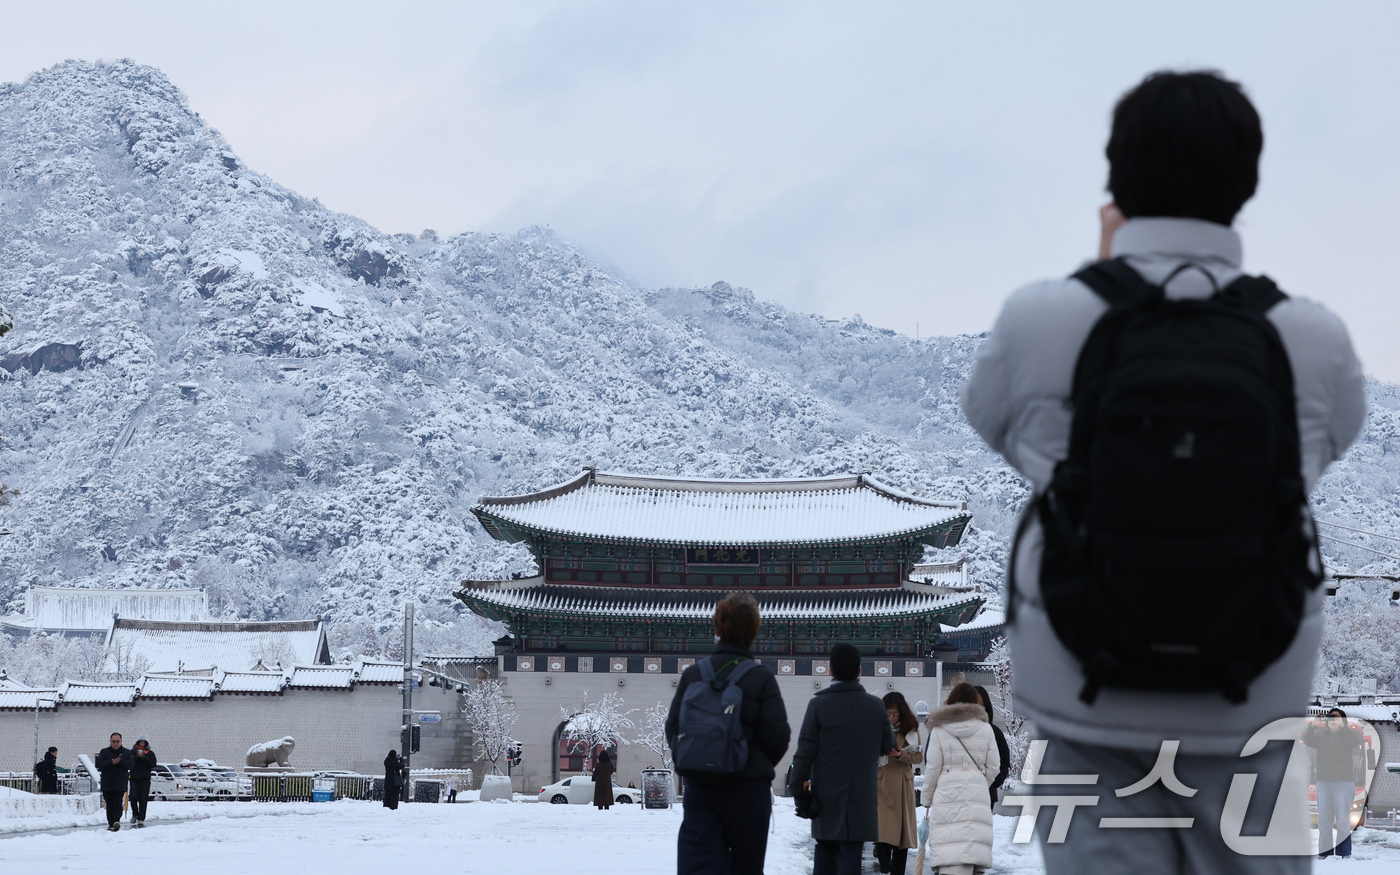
x=143, y=761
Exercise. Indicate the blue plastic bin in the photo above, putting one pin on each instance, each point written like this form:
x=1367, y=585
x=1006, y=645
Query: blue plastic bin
x=319, y=795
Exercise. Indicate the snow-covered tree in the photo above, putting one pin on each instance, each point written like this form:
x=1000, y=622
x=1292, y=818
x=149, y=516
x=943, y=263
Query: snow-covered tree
x=120, y=661
x=1361, y=639
x=599, y=724
x=491, y=717
x=1018, y=737
x=651, y=736
x=42, y=660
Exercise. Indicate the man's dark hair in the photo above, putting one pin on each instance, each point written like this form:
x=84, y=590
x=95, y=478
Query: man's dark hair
x=1184, y=145
x=1337, y=712
x=845, y=662
x=114, y=735
x=737, y=620
x=53, y=750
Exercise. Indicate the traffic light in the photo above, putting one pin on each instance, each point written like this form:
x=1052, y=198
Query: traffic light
x=417, y=733
x=514, y=754
x=409, y=738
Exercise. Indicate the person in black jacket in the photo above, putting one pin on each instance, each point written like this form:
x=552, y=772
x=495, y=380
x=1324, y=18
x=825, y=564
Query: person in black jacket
x=725, y=825
x=393, y=780
x=1003, y=749
x=844, y=734
x=143, y=760
x=1338, y=749
x=114, y=764
x=47, y=771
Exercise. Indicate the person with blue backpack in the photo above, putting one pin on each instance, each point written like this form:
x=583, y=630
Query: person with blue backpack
x=1172, y=414
x=727, y=729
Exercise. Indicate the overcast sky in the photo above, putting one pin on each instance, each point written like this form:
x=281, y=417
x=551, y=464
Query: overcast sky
x=911, y=162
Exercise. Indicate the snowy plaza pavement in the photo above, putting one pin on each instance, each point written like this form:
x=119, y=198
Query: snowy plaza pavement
x=350, y=837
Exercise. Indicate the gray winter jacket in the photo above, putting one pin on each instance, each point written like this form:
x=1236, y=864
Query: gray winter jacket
x=844, y=734
x=1017, y=400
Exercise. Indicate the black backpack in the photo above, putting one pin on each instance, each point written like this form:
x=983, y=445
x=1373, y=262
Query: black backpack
x=1179, y=547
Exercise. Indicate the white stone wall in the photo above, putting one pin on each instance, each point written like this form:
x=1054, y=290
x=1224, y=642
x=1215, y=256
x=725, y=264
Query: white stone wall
x=335, y=729
x=539, y=695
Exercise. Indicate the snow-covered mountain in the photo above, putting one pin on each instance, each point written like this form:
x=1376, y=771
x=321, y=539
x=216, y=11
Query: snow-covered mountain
x=214, y=381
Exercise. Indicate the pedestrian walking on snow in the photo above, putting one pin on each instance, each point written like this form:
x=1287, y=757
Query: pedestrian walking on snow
x=602, y=782
x=114, y=765
x=728, y=801
x=898, y=827
x=962, y=761
x=393, y=780
x=844, y=733
x=1003, y=749
x=143, y=761
x=46, y=770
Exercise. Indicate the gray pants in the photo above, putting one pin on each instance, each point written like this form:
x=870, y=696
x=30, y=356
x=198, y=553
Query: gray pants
x=1089, y=849
x=1334, y=800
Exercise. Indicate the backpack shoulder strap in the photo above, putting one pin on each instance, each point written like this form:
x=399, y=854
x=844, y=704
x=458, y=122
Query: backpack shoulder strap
x=707, y=669
x=1116, y=282
x=741, y=669
x=1256, y=293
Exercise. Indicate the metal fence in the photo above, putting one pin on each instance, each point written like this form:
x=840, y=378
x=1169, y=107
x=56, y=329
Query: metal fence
x=347, y=787
x=19, y=781
x=283, y=788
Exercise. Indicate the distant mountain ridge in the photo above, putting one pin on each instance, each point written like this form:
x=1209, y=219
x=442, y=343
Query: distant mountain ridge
x=214, y=381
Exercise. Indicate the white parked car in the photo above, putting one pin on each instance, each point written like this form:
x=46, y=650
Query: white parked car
x=170, y=783
x=212, y=781
x=578, y=790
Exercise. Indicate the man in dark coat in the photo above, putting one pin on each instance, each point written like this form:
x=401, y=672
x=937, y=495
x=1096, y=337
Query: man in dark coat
x=143, y=760
x=114, y=764
x=47, y=771
x=843, y=736
x=725, y=827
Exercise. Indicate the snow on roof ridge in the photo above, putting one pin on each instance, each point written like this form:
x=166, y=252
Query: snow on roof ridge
x=825, y=604
x=720, y=512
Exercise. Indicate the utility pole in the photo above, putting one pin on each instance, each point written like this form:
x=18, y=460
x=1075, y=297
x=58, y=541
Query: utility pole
x=37, y=701
x=406, y=734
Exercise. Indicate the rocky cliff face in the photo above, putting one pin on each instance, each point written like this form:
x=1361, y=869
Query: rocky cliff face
x=214, y=381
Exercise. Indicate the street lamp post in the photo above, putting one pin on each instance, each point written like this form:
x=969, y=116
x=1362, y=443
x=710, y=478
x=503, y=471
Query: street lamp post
x=406, y=733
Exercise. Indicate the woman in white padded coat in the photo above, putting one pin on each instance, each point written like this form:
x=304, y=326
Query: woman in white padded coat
x=960, y=762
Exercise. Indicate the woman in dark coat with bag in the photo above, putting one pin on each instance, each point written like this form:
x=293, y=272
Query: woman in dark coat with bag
x=602, y=781
x=393, y=780
x=1003, y=749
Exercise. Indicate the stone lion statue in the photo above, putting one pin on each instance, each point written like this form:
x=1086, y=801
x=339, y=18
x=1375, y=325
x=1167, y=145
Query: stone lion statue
x=271, y=753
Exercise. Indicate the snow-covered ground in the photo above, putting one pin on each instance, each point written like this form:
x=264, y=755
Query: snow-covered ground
x=489, y=838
